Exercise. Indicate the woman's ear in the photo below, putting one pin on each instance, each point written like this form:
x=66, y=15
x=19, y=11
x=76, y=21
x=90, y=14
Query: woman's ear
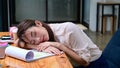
x=38, y=23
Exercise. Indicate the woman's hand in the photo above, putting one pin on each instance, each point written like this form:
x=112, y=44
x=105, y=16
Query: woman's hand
x=52, y=50
x=44, y=45
x=49, y=47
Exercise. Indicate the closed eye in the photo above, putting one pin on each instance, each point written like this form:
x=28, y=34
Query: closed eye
x=33, y=34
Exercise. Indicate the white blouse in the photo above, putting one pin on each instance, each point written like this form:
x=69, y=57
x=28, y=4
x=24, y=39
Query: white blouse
x=73, y=37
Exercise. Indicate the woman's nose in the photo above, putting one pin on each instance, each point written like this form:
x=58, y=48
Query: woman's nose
x=37, y=40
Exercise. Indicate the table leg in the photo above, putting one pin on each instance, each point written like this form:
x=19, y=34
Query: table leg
x=102, y=19
x=97, y=20
x=119, y=17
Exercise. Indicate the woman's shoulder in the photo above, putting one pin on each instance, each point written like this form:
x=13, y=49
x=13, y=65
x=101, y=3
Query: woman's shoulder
x=71, y=26
x=63, y=25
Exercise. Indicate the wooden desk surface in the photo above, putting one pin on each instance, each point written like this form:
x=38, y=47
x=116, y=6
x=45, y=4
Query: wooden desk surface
x=60, y=61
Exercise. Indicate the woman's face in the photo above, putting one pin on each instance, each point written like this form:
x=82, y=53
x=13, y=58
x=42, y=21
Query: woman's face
x=36, y=35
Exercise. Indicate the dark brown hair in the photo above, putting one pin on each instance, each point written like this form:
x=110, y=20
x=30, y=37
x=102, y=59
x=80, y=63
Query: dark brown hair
x=25, y=24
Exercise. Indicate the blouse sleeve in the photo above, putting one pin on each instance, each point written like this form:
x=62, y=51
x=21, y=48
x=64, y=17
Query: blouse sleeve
x=82, y=44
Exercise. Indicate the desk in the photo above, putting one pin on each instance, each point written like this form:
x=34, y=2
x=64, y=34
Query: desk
x=60, y=61
x=102, y=4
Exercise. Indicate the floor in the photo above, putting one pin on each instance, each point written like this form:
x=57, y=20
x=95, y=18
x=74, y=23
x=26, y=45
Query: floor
x=100, y=39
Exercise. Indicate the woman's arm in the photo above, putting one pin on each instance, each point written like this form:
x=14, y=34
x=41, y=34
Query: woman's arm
x=73, y=55
x=67, y=50
x=49, y=49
